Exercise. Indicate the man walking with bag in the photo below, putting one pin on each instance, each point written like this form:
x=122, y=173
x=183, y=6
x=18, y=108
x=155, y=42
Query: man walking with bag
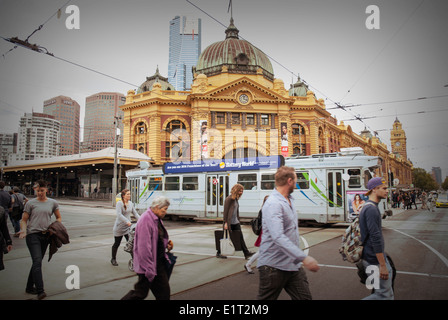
x=281, y=259
x=373, y=241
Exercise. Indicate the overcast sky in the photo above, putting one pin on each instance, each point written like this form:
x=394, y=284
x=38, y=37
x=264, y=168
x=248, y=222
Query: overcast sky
x=384, y=70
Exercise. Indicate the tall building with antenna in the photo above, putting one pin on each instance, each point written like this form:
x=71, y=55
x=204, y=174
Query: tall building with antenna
x=184, y=51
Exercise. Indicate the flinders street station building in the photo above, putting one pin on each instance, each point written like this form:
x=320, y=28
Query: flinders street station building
x=236, y=108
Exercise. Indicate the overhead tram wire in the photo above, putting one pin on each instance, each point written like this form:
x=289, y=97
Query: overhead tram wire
x=389, y=102
x=340, y=106
x=37, y=29
x=43, y=50
x=401, y=114
x=381, y=51
x=270, y=57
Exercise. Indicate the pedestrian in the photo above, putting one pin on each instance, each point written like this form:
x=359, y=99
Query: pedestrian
x=18, y=204
x=280, y=257
x=395, y=199
x=151, y=260
x=248, y=265
x=413, y=196
x=122, y=227
x=407, y=201
x=5, y=238
x=431, y=201
x=424, y=199
x=373, y=240
x=231, y=216
x=5, y=199
x=34, y=225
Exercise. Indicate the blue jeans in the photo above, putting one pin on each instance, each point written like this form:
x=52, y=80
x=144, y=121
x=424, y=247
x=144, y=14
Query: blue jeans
x=385, y=292
x=37, y=244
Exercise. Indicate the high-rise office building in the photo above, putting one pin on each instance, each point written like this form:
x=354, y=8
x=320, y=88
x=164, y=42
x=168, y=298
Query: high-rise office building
x=437, y=174
x=38, y=137
x=8, y=145
x=185, y=48
x=99, y=128
x=66, y=111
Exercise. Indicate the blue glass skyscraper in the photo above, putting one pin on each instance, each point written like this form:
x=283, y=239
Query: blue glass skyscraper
x=185, y=48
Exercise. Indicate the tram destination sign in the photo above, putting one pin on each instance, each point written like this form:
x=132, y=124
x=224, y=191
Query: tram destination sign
x=222, y=165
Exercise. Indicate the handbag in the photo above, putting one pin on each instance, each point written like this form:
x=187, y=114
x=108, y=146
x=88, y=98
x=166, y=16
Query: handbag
x=256, y=224
x=226, y=245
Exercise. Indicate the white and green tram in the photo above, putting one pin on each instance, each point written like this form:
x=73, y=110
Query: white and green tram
x=326, y=186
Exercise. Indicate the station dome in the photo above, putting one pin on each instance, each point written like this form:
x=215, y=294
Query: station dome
x=237, y=55
x=156, y=78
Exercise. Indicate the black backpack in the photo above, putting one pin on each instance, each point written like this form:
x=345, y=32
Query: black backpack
x=256, y=224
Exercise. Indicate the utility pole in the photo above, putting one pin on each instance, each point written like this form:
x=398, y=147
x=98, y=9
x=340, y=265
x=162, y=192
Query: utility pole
x=114, y=178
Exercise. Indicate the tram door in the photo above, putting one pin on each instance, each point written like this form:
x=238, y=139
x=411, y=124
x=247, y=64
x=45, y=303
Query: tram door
x=217, y=192
x=134, y=187
x=335, y=195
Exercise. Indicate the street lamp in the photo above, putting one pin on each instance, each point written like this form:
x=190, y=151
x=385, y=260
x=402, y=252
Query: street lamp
x=114, y=179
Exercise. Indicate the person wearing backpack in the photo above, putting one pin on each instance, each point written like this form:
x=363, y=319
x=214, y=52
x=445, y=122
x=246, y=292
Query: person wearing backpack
x=373, y=241
x=18, y=204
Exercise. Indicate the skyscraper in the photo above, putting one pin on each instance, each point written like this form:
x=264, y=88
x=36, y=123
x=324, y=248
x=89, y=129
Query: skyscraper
x=66, y=111
x=99, y=128
x=185, y=48
x=38, y=137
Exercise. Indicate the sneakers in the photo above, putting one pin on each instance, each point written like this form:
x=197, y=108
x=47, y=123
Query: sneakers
x=248, y=269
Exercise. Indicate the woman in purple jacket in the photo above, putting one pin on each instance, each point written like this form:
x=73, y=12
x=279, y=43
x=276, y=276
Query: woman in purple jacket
x=151, y=247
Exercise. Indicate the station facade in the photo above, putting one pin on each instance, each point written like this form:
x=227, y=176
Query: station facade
x=236, y=108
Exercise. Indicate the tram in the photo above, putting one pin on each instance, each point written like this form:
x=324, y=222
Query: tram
x=330, y=187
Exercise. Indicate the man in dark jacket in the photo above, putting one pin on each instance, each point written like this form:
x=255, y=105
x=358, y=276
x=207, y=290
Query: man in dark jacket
x=372, y=238
x=5, y=238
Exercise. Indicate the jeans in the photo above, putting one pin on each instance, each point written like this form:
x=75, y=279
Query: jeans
x=37, y=244
x=15, y=223
x=273, y=281
x=385, y=292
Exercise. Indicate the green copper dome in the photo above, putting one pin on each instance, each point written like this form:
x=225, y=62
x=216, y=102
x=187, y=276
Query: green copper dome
x=239, y=56
x=147, y=85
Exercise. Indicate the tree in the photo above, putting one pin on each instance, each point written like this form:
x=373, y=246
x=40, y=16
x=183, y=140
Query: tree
x=423, y=180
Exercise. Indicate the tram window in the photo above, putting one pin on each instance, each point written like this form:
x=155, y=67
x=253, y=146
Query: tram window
x=302, y=181
x=172, y=183
x=248, y=181
x=154, y=182
x=367, y=177
x=190, y=183
x=267, y=181
x=355, y=178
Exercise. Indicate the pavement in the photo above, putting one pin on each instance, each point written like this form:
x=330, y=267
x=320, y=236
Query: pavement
x=99, y=280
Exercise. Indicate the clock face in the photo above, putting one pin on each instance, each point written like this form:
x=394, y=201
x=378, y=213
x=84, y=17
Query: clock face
x=397, y=143
x=243, y=99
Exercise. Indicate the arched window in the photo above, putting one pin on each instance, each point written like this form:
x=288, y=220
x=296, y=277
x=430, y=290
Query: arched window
x=176, y=142
x=298, y=132
x=321, y=140
x=141, y=128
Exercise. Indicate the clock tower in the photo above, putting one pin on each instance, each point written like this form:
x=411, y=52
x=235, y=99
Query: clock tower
x=398, y=140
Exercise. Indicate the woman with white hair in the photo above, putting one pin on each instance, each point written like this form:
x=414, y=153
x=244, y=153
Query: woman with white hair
x=151, y=247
